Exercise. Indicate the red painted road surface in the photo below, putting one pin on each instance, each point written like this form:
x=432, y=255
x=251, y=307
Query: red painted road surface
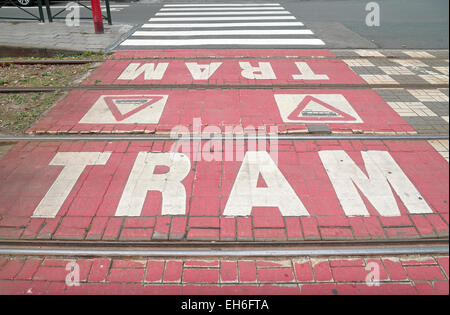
x=219, y=190
x=75, y=196
x=243, y=72
x=162, y=110
x=334, y=276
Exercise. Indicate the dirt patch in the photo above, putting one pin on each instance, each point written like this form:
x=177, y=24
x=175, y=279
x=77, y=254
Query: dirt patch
x=19, y=111
x=85, y=55
x=42, y=75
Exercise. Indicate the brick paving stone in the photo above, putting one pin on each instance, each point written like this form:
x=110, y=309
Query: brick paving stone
x=276, y=275
x=349, y=274
x=229, y=272
x=247, y=271
x=29, y=269
x=205, y=276
x=322, y=271
x=444, y=263
x=100, y=269
x=126, y=275
x=173, y=271
x=423, y=273
x=10, y=269
x=398, y=275
x=303, y=271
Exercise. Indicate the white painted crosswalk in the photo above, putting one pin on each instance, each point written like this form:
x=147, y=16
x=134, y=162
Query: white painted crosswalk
x=223, y=32
x=222, y=25
x=222, y=5
x=224, y=9
x=222, y=13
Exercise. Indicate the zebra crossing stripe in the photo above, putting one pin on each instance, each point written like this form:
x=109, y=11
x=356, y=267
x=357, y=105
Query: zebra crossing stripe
x=231, y=18
x=223, y=32
x=221, y=25
x=222, y=13
x=222, y=9
x=223, y=41
x=221, y=5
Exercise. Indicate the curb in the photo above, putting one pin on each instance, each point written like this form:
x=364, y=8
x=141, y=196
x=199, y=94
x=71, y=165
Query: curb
x=14, y=51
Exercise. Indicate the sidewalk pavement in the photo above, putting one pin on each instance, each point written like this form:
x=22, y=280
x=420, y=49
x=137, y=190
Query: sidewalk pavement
x=58, y=36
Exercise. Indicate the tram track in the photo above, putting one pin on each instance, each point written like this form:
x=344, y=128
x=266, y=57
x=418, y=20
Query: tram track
x=139, y=87
x=165, y=56
x=140, y=137
x=223, y=249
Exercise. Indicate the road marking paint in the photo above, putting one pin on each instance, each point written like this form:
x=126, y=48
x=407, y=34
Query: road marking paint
x=126, y=109
x=307, y=73
x=150, y=71
x=219, y=25
x=163, y=110
x=202, y=72
x=284, y=70
x=314, y=108
x=222, y=13
x=245, y=194
x=222, y=5
x=167, y=18
x=383, y=176
x=221, y=18
x=74, y=165
x=263, y=71
x=143, y=179
x=224, y=41
x=221, y=9
x=224, y=32
x=342, y=177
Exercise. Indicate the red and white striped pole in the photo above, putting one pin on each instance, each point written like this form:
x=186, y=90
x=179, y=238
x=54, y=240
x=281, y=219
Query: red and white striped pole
x=97, y=16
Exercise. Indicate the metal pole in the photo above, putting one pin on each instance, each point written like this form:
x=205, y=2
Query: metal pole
x=108, y=12
x=49, y=11
x=97, y=16
x=41, y=12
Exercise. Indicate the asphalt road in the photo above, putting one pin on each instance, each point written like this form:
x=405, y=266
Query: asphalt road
x=411, y=24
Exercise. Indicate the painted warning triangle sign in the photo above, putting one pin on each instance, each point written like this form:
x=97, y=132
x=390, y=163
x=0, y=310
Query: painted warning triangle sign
x=125, y=106
x=316, y=108
x=126, y=109
x=311, y=108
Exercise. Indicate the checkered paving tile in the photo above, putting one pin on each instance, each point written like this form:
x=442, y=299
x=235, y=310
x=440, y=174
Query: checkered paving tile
x=411, y=109
x=395, y=53
x=426, y=110
x=441, y=146
x=375, y=68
